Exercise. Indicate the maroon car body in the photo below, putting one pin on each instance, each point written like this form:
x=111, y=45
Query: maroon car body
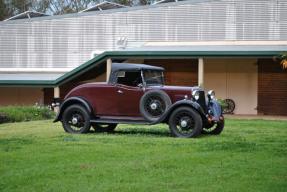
x=122, y=100
x=135, y=93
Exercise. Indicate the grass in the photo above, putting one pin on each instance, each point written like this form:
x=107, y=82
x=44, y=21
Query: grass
x=25, y=113
x=250, y=155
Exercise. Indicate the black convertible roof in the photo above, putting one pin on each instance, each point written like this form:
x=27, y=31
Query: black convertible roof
x=133, y=66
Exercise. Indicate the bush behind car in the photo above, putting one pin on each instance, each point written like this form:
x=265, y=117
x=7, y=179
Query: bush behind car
x=25, y=113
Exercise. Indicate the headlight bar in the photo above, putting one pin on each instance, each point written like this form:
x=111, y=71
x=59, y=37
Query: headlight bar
x=195, y=94
x=211, y=94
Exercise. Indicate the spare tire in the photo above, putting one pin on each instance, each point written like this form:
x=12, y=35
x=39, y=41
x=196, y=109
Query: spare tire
x=154, y=104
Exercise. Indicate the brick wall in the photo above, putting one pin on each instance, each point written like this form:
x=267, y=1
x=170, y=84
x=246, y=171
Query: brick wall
x=178, y=71
x=272, y=88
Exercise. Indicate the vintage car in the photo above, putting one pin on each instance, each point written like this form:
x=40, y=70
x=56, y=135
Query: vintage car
x=136, y=94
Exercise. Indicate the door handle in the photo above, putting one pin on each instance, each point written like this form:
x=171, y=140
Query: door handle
x=120, y=91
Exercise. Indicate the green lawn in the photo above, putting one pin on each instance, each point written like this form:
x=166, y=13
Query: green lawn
x=250, y=155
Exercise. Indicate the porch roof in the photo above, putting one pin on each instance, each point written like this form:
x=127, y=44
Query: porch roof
x=151, y=52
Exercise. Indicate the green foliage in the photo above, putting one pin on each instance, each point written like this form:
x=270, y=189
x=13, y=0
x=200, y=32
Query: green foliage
x=4, y=12
x=24, y=113
x=283, y=59
x=249, y=155
x=222, y=103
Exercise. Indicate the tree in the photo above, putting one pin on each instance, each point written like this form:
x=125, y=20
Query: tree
x=4, y=11
x=284, y=61
x=55, y=7
x=20, y=6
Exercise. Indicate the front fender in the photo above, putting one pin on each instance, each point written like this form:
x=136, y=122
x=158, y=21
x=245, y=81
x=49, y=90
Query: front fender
x=177, y=104
x=71, y=101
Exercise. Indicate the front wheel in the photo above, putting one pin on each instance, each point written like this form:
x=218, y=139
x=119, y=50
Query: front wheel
x=76, y=119
x=185, y=122
x=215, y=130
x=104, y=127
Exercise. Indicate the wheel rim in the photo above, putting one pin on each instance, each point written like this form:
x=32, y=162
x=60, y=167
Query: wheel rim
x=214, y=127
x=211, y=129
x=230, y=106
x=155, y=106
x=76, y=121
x=184, y=123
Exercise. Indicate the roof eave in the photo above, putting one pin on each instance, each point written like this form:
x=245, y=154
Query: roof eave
x=135, y=54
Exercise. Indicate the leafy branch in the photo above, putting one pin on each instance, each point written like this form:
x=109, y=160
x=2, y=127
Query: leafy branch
x=284, y=61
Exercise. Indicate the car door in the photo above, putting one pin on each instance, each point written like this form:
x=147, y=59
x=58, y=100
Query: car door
x=103, y=99
x=129, y=92
x=128, y=100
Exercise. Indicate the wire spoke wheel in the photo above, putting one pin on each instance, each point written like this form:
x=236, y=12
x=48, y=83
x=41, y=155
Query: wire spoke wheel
x=185, y=122
x=76, y=119
x=230, y=106
x=214, y=130
x=154, y=104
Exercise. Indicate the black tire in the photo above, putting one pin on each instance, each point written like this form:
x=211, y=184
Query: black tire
x=230, y=106
x=215, y=130
x=76, y=119
x=193, y=123
x=156, y=98
x=109, y=127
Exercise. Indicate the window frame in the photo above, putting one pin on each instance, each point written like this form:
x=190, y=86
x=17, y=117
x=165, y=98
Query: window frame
x=141, y=76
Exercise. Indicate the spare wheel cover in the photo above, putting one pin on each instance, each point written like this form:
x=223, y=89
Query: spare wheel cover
x=154, y=104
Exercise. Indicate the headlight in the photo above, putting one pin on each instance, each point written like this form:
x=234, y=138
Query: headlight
x=211, y=94
x=195, y=94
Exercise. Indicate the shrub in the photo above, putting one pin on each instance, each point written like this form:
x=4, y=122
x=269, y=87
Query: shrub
x=222, y=103
x=25, y=113
x=3, y=118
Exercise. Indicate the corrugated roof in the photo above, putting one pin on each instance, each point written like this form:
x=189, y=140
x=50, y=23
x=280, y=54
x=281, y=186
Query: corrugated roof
x=27, y=15
x=214, y=48
x=125, y=9
x=69, y=40
x=106, y=5
x=165, y=1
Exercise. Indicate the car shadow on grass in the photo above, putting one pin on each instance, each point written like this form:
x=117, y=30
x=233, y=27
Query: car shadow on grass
x=143, y=132
x=138, y=132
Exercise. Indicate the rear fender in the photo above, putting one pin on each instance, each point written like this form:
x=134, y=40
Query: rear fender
x=71, y=101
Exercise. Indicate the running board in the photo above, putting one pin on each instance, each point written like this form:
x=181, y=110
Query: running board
x=120, y=121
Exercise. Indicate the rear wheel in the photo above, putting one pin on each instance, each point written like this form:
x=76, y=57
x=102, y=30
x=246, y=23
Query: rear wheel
x=185, y=122
x=99, y=127
x=76, y=119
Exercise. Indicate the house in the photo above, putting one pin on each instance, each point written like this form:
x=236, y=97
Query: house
x=229, y=46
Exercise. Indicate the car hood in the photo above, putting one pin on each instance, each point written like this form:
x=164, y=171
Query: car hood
x=180, y=88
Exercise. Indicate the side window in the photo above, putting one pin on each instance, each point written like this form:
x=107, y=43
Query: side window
x=129, y=78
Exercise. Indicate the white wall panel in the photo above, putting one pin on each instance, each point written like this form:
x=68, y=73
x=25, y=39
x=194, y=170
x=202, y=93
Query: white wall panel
x=69, y=40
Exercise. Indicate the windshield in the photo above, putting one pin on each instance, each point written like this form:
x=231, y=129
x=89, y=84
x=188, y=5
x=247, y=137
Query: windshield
x=153, y=77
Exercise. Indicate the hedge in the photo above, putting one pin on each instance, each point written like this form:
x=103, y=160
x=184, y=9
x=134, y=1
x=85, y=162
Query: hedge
x=25, y=113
